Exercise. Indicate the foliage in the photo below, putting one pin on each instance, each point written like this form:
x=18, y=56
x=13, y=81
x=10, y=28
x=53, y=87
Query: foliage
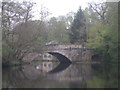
x=78, y=28
x=16, y=33
x=6, y=50
x=58, y=29
x=103, y=35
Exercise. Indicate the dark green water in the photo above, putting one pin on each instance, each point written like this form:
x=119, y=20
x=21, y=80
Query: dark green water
x=56, y=75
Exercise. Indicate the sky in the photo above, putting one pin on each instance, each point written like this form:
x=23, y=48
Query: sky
x=59, y=7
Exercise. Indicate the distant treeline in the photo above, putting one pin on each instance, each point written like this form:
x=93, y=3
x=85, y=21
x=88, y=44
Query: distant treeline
x=96, y=26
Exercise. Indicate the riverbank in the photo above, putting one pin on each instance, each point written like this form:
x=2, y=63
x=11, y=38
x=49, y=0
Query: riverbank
x=19, y=63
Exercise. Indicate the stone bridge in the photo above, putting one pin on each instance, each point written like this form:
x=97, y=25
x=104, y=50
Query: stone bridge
x=71, y=52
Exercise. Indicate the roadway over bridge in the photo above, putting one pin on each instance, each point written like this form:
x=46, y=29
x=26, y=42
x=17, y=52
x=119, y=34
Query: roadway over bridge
x=70, y=53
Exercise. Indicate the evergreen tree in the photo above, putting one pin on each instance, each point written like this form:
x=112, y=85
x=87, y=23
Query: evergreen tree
x=78, y=28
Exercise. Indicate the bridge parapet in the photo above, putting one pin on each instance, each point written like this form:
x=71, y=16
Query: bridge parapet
x=60, y=46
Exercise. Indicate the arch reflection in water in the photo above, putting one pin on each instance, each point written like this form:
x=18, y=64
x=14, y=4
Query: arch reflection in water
x=74, y=73
x=60, y=67
x=51, y=67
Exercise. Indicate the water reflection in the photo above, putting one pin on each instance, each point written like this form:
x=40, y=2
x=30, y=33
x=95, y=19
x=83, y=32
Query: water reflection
x=57, y=75
x=60, y=67
x=74, y=73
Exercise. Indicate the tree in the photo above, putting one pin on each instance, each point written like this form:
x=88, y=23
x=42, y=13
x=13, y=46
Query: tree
x=100, y=9
x=57, y=29
x=69, y=19
x=13, y=14
x=78, y=28
x=103, y=35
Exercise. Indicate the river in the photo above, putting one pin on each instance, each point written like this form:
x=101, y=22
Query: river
x=48, y=74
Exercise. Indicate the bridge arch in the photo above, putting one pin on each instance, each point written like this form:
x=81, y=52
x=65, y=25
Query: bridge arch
x=62, y=58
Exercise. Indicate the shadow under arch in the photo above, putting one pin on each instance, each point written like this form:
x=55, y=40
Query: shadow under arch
x=60, y=57
x=60, y=67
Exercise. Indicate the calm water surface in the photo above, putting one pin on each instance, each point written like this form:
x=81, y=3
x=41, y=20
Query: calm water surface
x=57, y=75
